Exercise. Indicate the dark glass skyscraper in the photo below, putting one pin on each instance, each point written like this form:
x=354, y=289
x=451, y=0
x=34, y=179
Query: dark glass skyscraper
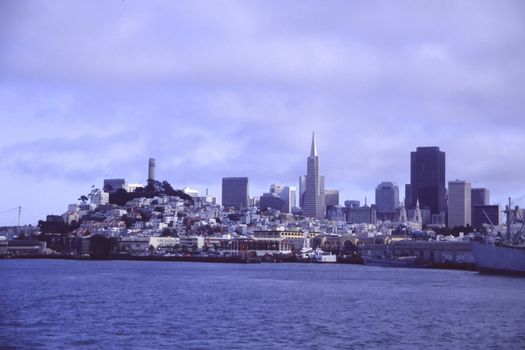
x=235, y=192
x=427, y=179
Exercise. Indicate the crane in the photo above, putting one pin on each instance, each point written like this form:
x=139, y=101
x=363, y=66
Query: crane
x=19, y=208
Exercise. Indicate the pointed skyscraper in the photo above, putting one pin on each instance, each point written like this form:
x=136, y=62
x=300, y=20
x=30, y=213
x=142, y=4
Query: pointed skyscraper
x=313, y=150
x=313, y=205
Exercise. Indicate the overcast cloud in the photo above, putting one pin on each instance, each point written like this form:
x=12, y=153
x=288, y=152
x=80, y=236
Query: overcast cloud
x=92, y=89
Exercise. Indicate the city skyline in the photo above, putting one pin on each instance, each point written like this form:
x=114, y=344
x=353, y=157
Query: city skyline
x=214, y=90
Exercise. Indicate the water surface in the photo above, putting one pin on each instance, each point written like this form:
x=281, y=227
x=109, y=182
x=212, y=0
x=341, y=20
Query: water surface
x=62, y=304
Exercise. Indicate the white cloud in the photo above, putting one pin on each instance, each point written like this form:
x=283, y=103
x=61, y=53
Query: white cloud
x=215, y=89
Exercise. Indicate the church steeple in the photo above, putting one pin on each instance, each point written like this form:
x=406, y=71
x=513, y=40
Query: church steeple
x=313, y=151
x=417, y=213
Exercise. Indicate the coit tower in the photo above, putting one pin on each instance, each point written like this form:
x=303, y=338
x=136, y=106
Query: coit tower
x=151, y=169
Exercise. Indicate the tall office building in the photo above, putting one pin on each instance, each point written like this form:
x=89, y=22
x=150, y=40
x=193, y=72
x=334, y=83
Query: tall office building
x=427, y=180
x=459, y=204
x=273, y=201
x=302, y=188
x=313, y=205
x=331, y=198
x=485, y=214
x=387, y=197
x=289, y=194
x=480, y=196
x=286, y=193
x=235, y=192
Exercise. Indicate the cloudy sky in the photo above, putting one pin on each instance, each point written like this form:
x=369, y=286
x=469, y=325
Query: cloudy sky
x=91, y=89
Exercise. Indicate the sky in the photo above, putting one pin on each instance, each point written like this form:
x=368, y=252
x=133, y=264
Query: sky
x=92, y=89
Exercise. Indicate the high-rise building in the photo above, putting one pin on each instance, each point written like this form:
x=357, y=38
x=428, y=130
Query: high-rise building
x=276, y=188
x=459, y=207
x=427, y=179
x=331, y=198
x=302, y=188
x=273, y=201
x=485, y=214
x=289, y=194
x=387, y=197
x=286, y=193
x=480, y=196
x=408, y=196
x=235, y=192
x=314, y=192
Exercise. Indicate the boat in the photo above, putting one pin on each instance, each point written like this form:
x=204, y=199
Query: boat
x=502, y=255
x=396, y=261
x=306, y=251
x=499, y=259
x=320, y=256
x=317, y=255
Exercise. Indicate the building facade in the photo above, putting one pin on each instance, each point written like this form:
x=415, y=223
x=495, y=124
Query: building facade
x=459, y=204
x=314, y=192
x=273, y=201
x=485, y=214
x=113, y=185
x=331, y=198
x=480, y=196
x=235, y=192
x=361, y=215
x=289, y=195
x=427, y=180
x=387, y=200
x=302, y=188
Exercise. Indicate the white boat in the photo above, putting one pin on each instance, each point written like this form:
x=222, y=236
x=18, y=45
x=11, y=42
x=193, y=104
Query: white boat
x=320, y=256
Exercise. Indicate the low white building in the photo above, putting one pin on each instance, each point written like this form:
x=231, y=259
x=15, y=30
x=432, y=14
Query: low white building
x=162, y=242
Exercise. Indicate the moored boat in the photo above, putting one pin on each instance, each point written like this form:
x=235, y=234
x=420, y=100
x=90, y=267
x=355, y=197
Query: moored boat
x=499, y=259
x=320, y=256
x=502, y=255
x=398, y=261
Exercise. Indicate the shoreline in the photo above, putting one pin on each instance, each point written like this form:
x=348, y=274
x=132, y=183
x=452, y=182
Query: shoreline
x=240, y=259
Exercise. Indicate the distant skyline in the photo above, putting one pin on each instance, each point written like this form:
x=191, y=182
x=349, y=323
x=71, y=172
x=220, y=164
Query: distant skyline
x=211, y=89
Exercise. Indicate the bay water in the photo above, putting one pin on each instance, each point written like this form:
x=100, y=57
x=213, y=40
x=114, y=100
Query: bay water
x=70, y=304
